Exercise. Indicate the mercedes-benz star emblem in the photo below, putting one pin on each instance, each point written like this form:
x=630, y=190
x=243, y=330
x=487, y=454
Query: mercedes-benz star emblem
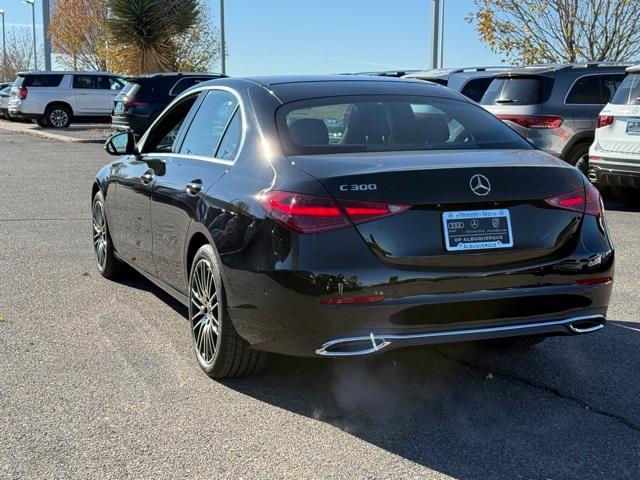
x=480, y=185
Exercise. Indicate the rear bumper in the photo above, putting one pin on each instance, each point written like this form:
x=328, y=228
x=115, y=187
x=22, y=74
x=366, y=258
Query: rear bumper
x=137, y=124
x=286, y=311
x=23, y=115
x=620, y=171
x=348, y=330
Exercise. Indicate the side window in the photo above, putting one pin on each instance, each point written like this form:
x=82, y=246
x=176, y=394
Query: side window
x=91, y=82
x=162, y=137
x=474, y=89
x=594, y=89
x=209, y=124
x=231, y=141
x=610, y=84
x=41, y=80
x=111, y=83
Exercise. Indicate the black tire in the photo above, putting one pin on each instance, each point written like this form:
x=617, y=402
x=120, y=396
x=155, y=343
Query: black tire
x=218, y=348
x=108, y=265
x=58, y=115
x=515, y=343
x=41, y=122
x=579, y=157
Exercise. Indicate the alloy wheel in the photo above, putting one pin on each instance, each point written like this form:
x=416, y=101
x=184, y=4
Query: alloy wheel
x=59, y=118
x=99, y=234
x=204, y=311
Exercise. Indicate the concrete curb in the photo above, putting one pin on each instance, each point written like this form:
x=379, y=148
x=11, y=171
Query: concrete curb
x=27, y=129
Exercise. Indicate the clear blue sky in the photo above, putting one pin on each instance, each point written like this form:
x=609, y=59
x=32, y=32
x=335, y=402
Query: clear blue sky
x=321, y=36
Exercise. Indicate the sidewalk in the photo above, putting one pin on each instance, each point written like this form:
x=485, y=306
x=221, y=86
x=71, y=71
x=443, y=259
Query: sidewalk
x=77, y=133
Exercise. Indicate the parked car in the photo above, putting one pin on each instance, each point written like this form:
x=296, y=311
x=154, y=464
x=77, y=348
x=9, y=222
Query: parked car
x=472, y=82
x=56, y=99
x=555, y=107
x=4, y=85
x=405, y=230
x=5, y=94
x=614, y=156
x=144, y=97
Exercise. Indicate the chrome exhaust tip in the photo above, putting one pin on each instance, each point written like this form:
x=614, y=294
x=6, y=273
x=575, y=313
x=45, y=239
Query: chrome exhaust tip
x=587, y=325
x=373, y=343
x=353, y=346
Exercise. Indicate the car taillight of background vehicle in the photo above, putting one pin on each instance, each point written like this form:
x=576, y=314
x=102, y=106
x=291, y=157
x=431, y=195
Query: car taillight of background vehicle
x=604, y=121
x=313, y=214
x=133, y=102
x=583, y=200
x=22, y=93
x=533, y=121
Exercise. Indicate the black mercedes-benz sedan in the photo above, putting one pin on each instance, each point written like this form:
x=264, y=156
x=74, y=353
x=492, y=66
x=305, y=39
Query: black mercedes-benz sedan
x=340, y=216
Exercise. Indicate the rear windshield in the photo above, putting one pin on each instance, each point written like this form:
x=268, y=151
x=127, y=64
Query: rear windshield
x=390, y=123
x=629, y=91
x=42, y=80
x=516, y=91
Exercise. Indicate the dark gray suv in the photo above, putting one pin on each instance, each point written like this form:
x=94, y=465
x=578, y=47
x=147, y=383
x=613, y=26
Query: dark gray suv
x=555, y=106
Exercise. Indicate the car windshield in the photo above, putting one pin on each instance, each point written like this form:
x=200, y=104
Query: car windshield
x=629, y=91
x=390, y=123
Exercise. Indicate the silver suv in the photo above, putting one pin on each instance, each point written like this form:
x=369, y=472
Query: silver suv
x=54, y=99
x=555, y=107
x=472, y=82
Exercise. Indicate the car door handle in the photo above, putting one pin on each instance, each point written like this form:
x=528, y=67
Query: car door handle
x=147, y=177
x=194, y=187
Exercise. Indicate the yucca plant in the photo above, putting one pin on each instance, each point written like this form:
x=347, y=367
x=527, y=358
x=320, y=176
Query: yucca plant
x=147, y=28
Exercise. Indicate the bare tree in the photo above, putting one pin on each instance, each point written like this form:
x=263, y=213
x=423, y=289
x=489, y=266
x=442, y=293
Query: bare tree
x=534, y=31
x=19, y=45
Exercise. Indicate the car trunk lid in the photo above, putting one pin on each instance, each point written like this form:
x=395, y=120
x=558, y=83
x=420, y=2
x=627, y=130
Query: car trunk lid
x=437, y=182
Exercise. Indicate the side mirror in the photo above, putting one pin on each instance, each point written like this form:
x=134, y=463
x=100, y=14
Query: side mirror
x=121, y=144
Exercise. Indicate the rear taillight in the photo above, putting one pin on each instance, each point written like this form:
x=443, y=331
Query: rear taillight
x=604, y=121
x=312, y=214
x=22, y=93
x=533, y=121
x=583, y=200
x=133, y=102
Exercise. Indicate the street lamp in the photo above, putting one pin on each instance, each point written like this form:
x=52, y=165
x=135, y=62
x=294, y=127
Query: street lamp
x=222, y=46
x=33, y=22
x=4, y=51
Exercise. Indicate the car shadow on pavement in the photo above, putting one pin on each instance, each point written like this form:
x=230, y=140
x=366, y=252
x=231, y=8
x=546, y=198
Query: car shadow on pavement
x=565, y=409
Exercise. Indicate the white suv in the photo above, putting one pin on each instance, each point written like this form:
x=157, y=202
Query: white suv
x=614, y=157
x=54, y=99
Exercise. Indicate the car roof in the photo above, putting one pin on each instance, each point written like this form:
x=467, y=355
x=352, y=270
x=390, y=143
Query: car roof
x=552, y=69
x=443, y=73
x=290, y=88
x=174, y=74
x=63, y=72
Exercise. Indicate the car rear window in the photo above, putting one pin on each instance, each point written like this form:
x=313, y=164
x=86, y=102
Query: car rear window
x=517, y=91
x=629, y=91
x=390, y=123
x=49, y=80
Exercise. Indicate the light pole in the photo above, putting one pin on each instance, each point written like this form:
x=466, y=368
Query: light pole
x=4, y=50
x=223, y=62
x=46, y=18
x=435, y=37
x=33, y=22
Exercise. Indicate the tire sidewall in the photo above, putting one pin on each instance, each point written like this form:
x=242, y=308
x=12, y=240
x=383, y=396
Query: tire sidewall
x=207, y=253
x=53, y=108
x=577, y=157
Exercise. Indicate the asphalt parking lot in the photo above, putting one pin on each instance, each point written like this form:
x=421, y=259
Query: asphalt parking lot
x=97, y=378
